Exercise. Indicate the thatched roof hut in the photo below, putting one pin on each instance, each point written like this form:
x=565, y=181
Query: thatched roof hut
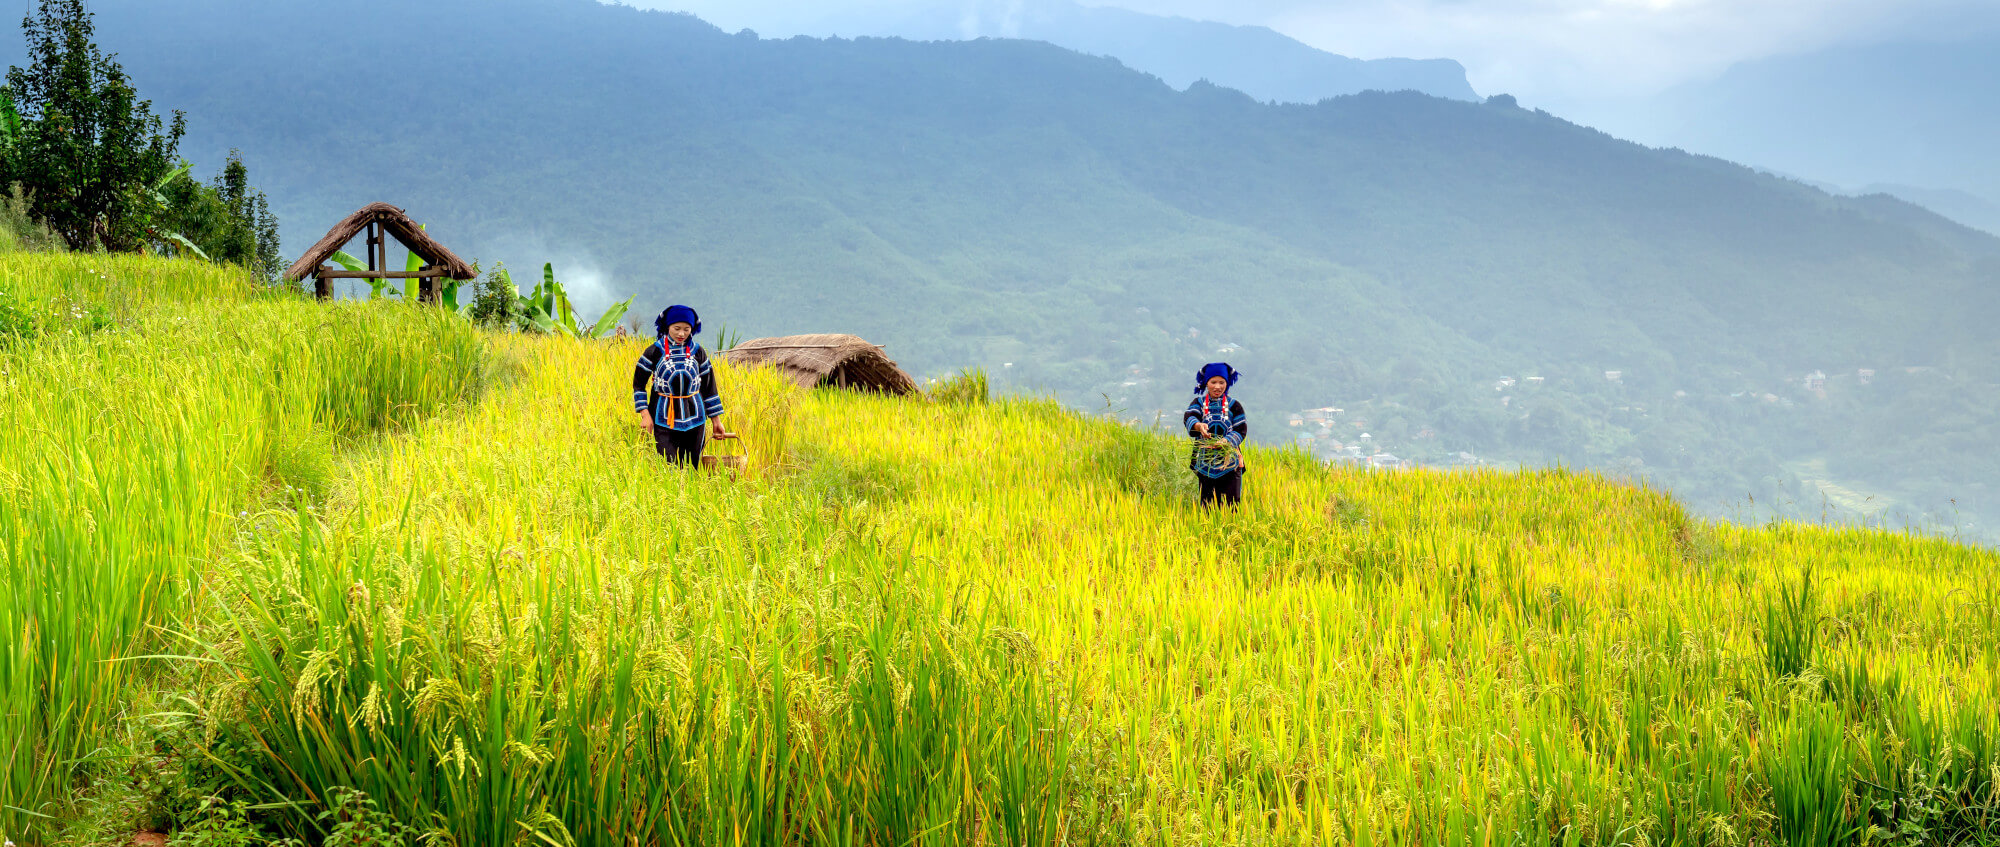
x=828, y=359
x=380, y=220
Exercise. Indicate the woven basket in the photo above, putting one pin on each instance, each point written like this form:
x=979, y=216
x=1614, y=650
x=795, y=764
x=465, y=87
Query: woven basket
x=736, y=462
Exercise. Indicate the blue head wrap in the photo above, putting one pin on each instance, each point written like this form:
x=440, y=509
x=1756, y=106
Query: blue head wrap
x=677, y=315
x=1211, y=371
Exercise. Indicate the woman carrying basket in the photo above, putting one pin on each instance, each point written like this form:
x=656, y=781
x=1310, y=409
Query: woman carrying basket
x=1217, y=425
x=673, y=388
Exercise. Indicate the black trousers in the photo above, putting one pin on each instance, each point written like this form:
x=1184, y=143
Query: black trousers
x=1226, y=490
x=682, y=446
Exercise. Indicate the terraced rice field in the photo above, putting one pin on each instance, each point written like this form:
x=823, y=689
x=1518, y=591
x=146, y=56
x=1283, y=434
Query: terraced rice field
x=260, y=551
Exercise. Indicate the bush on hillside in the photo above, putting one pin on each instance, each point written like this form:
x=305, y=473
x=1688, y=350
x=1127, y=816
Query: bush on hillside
x=969, y=387
x=19, y=230
x=16, y=322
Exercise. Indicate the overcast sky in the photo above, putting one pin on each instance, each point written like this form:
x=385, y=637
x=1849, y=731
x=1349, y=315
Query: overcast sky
x=1563, y=54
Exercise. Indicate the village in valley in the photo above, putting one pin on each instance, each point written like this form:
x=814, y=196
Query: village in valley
x=1384, y=434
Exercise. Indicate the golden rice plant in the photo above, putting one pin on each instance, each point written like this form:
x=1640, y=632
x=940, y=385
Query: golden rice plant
x=505, y=619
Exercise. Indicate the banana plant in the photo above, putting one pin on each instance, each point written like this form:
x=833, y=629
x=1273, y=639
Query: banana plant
x=10, y=120
x=188, y=245
x=548, y=309
x=347, y=260
x=159, y=187
x=157, y=192
x=447, y=287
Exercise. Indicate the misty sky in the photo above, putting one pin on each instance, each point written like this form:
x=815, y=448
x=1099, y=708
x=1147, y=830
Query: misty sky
x=1562, y=54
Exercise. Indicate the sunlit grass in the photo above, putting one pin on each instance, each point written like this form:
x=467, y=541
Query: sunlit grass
x=922, y=622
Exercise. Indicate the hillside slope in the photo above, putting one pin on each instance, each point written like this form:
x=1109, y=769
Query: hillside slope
x=446, y=569
x=1077, y=227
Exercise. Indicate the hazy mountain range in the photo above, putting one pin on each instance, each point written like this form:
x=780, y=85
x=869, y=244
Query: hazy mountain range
x=1916, y=120
x=1908, y=119
x=1256, y=60
x=1078, y=227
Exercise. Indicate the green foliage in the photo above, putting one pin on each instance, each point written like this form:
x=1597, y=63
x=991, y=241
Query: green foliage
x=356, y=821
x=88, y=149
x=10, y=122
x=548, y=309
x=225, y=221
x=726, y=338
x=93, y=165
x=18, y=228
x=211, y=388
x=1807, y=767
x=1791, y=628
x=1143, y=464
x=17, y=324
x=497, y=303
x=969, y=387
x=376, y=286
x=225, y=823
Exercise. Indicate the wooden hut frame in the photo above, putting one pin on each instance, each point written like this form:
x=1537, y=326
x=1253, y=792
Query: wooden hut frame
x=827, y=359
x=380, y=221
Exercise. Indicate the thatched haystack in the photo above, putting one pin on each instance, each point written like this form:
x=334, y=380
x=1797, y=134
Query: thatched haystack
x=827, y=359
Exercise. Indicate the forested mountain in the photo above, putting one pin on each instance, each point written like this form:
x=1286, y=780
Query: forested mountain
x=1079, y=227
x=1258, y=61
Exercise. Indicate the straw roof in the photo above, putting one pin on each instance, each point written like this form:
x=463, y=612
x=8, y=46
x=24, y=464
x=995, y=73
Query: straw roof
x=826, y=359
x=398, y=223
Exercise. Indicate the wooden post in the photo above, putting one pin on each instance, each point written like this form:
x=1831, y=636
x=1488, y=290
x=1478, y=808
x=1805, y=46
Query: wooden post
x=322, y=287
x=430, y=289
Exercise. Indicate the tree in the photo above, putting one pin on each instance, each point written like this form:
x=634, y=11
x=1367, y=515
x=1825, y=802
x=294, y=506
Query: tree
x=89, y=151
x=228, y=221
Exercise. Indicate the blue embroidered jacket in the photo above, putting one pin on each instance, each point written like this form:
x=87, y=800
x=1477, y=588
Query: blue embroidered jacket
x=676, y=385
x=1225, y=419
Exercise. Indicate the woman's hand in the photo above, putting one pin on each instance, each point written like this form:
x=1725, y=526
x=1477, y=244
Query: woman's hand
x=645, y=421
x=1201, y=427
x=720, y=433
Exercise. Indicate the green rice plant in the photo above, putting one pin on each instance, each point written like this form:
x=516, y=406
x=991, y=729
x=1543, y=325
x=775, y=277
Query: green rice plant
x=497, y=613
x=1142, y=463
x=968, y=387
x=117, y=484
x=1807, y=769
x=1791, y=628
x=17, y=324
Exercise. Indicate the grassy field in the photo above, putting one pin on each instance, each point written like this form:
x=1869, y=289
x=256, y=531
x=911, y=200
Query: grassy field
x=263, y=552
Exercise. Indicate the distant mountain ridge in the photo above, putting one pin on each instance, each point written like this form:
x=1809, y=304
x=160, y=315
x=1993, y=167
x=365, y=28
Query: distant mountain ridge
x=1913, y=119
x=1077, y=227
x=1962, y=206
x=1256, y=60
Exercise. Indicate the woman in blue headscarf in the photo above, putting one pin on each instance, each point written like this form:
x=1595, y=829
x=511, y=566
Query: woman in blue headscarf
x=1217, y=425
x=673, y=388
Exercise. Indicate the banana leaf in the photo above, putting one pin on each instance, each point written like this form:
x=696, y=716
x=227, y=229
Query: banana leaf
x=608, y=322
x=535, y=305
x=159, y=188
x=188, y=245
x=412, y=263
x=559, y=308
x=547, y=290
x=345, y=260
x=10, y=118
